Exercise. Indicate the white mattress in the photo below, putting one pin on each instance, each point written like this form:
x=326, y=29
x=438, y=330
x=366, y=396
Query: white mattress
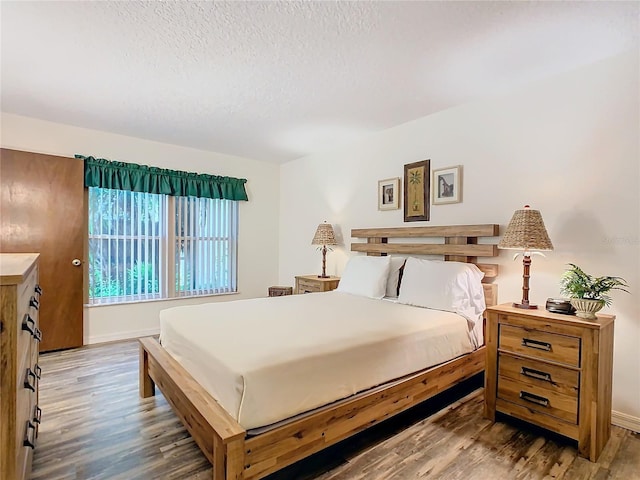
x=268, y=359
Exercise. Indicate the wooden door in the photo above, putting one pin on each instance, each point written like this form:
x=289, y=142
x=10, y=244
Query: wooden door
x=42, y=209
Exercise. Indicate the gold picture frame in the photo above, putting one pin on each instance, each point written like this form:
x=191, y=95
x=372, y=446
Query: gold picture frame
x=389, y=194
x=447, y=185
x=417, y=180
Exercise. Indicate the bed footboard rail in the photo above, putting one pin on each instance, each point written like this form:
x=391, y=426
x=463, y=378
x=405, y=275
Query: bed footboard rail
x=217, y=434
x=273, y=450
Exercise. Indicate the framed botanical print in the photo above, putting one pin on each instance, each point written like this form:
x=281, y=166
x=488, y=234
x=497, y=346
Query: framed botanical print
x=389, y=194
x=447, y=185
x=417, y=180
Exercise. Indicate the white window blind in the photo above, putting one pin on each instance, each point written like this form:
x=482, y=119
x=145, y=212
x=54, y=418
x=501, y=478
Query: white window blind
x=205, y=240
x=126, y=237
x=146, y=246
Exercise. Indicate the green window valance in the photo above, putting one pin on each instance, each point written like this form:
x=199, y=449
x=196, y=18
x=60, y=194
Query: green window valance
x=102, y=173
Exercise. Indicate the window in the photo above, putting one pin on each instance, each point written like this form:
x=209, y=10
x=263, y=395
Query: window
x=148, y=246
x=205, y=245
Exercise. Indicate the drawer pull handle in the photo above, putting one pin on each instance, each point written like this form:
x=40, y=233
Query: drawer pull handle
x=537, y=374
x=30, y=442
x=38, y=335
x=27, y=380
x=34, y=303
x=29, y=324
x=37, y=414
x=37, y=371
x=530, y=397
x=38, y=289
x=527, y=342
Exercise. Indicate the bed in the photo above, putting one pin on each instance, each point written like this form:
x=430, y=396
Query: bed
x=245, y=441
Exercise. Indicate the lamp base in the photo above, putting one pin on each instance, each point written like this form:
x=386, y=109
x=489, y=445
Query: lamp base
x=324, y=276
x=525, y=306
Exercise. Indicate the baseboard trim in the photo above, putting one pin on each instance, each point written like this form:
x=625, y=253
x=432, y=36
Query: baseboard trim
x=625, y=421
x=112, y=337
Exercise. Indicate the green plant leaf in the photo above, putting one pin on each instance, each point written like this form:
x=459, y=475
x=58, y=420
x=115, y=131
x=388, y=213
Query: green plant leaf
x=575, y=283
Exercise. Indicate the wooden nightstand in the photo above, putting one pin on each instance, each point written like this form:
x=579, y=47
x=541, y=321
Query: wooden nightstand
x=313, y=283
x=551, y=370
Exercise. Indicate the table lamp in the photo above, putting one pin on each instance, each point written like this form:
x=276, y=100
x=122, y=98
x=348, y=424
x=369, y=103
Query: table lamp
x=526, y=232
x=324, y=236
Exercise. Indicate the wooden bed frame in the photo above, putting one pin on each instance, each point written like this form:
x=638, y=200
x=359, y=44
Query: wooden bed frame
x=235, y=456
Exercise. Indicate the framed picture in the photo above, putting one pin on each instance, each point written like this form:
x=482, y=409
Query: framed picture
x=447, y=185
x=389, y=194
x=416, y=191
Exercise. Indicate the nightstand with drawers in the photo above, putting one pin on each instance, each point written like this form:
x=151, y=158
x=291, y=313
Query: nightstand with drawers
x=551, y=370
x=313, y=283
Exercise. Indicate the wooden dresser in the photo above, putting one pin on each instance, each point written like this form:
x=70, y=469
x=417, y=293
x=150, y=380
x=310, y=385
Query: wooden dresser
x=313, y=283
x=19, y=370
x=551, y=370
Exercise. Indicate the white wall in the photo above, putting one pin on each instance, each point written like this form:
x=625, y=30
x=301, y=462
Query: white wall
x=568, y=146
x=257, y=236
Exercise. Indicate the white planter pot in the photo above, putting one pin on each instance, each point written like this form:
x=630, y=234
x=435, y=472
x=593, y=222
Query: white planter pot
x=587, y=308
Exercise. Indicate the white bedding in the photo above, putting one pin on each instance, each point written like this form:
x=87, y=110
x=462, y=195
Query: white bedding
x=268, y=359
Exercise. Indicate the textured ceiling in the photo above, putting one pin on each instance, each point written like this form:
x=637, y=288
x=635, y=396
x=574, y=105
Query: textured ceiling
x=279, y=80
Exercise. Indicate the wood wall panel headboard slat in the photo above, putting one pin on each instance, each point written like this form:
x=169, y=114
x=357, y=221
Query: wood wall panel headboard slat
x=490, y=294
x=485, y=230
x=483, y=250
x=490, y=270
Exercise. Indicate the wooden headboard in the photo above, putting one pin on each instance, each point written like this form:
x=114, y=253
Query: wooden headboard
x=459, y=243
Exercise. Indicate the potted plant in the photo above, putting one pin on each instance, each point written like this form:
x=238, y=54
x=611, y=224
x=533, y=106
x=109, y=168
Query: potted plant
x=588, y=294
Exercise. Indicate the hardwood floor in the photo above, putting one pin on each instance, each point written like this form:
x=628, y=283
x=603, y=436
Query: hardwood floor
x=94, y=426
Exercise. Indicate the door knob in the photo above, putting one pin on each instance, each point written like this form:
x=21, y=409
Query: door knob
x=76, y=262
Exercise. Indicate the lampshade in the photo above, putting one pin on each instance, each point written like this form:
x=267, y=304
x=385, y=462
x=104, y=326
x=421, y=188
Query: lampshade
x=324, y=235
x=526, y=231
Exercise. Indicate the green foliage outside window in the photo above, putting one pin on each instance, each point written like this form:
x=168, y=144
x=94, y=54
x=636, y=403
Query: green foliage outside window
x=124, y=231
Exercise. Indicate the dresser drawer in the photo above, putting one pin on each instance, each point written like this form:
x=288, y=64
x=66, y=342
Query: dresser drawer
x=27, y=326
x=550, y=377
x=308, y=287
x=36, y=417
x=34, y=355
x=536, y=343
x=23, y=351
x=537, y=399
x=25, y=453
x=25, y=403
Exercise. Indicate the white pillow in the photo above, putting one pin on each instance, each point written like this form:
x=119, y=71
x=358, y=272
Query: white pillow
x=394, y=276
x=450, y=286
x=365, y=276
